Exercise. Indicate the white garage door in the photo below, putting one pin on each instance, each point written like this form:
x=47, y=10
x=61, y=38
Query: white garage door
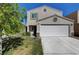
x=54, y=30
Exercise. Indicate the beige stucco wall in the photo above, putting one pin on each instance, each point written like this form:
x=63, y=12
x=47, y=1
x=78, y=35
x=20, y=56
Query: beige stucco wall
x=59, y=21
x=41, y=14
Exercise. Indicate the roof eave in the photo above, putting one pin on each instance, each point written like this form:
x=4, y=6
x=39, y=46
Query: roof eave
x=57, y=16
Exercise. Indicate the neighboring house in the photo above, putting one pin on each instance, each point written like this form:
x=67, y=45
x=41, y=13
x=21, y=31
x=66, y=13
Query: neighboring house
x=47, y=21
x=75, y=17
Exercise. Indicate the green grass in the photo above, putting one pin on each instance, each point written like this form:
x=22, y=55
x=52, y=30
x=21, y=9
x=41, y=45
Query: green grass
x=26, y=34
x=30, y=46
x=37, y=47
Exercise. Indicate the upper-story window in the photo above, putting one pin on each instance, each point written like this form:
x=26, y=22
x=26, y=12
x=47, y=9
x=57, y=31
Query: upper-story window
x=34, y=16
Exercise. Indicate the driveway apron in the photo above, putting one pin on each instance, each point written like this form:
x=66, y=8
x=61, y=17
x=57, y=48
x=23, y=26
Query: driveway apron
x=60, y=45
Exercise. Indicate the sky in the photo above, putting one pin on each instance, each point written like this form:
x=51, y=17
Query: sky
x=67, y=8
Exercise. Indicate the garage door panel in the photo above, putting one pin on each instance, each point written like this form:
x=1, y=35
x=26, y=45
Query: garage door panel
x=54, y=30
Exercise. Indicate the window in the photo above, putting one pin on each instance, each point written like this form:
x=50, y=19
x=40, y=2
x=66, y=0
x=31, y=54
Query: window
x=34, y=16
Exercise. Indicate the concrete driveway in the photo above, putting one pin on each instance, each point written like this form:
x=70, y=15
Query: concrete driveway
x=60, y=45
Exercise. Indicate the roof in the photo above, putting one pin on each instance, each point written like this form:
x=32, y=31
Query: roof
x=44, y=6
x=57, y=16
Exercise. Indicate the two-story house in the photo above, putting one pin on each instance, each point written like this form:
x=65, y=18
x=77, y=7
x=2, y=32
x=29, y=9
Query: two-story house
x=46, y=21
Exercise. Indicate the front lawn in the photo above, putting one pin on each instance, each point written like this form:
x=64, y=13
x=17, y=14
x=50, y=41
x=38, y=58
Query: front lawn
x=37, y=47
x=29, y=46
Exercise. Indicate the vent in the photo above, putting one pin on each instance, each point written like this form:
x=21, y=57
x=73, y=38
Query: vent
x=45, y=10
x=55, y=20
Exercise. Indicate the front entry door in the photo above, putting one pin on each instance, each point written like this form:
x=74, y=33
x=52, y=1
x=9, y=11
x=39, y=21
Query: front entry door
x=34, y=30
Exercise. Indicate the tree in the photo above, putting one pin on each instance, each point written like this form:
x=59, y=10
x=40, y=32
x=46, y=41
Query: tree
x=10, y=19
x=24, y=15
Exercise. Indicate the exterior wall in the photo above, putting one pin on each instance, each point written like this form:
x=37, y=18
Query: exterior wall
x=59, y=21
x=28, y=21
x=76, y=29
x=78, y=17
x=41, y=14
x=72, y=30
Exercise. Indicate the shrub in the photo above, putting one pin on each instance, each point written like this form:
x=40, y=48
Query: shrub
x=11, y=42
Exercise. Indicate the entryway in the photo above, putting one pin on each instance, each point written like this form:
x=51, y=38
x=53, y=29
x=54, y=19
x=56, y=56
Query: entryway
x=33, y=29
